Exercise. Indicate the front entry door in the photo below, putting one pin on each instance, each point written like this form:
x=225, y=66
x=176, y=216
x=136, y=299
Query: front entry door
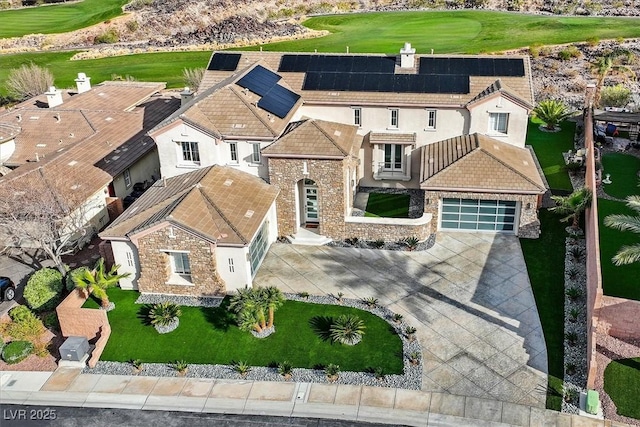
x=310, y=201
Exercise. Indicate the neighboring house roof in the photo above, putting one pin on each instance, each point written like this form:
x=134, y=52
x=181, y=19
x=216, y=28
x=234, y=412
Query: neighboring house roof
x=480, y=164
x=316, y=139
x=496, y=88
x=228, y=110
x=8, y=132
x=519, y=85
x=219, y=203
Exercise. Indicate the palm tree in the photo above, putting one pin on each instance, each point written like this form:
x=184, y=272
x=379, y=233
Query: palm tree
x=607, y=64
x=273, y=300
x=249, y=306
x=98, y=280
x=572, y=205
x=626, y=254
x=551, y=112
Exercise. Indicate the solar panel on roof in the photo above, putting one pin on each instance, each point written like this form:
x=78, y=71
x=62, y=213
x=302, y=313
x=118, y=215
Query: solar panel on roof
x=485, y=67
x=491, y=67
x=259, y=80
x=288, y=63
x=279, y=101
x=224, y=62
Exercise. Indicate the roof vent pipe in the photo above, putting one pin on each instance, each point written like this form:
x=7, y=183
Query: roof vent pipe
x=83, y=83
x=407, y=56
x=186, y=96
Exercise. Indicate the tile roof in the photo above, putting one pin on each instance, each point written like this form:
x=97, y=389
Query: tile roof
x=220, y=203
x=316, y=138
x=499, y=87
x=519, y=86
x=479, y=163
x=392, y=137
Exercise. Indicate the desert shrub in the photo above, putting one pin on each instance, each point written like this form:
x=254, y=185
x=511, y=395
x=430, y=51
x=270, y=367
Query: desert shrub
x=69, y=283
x=615, y=96
x=16, y=351
x=132, y=25
x=43, y=289
x=27, y=81
x=24, y=325
x=545, y=51
x=192, y=77
x=593, y=41
x=569, y=52
x=534, y=50
x=108, y=37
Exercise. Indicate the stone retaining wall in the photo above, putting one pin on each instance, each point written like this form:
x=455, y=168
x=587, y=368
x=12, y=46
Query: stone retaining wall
x=388, y=229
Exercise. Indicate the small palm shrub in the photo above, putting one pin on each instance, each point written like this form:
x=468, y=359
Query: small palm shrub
x=573, y=315
x=347, y=329
x=70, y=285
x=379, y=373
x=164, y=316
x=339, y=296
x=574, y=293
x=551, y=112
x=43, y=289
x=241, y=368
x=137, y=364
x=572, y=338
x=410, y=332
x=378, y=243
x=285, y=369
x=332, y=372
x=411, y=242
x=397, y=317
x=570, y=368
x=180, y=366
x=371, y=302
x=352, y=241
x=414, y=357
x=16, y=351
x=570, y=395
x=303, y=294
x=577, y=252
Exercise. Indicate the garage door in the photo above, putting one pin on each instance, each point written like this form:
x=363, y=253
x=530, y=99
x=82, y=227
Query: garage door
x=483, y=215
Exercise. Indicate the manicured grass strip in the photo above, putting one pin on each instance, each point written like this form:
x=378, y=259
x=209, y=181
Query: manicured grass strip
x=619, y=281
x=58, y=18
x=388, y=205
x=453, y=31
x=210, y=336
x=622, y=384
x=623, y=169
x=158, y=67
x=549, y=147
x=545, y=263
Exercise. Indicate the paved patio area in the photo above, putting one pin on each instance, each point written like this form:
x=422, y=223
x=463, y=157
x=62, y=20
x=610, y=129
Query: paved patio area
x=469, y=296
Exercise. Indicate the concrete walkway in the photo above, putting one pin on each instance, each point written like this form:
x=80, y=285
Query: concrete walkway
x=469, y=296
x=68, y=387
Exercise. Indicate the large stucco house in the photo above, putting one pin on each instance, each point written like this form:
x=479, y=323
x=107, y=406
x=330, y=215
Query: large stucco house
x=323, y=129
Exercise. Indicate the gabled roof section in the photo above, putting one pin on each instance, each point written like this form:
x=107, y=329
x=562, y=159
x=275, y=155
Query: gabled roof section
x=316, y=139
x=499, y=88
x=219, y=203
x=479, y=163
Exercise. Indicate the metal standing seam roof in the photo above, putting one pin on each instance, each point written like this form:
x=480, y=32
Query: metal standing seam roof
x=477, y=162
x=219, y=203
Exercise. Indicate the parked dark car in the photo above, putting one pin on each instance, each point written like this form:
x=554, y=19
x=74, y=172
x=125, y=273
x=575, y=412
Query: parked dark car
x=7, y=289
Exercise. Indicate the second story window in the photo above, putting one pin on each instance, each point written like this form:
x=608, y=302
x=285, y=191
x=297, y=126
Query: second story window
x=357, y=116
x=255, y=154
x=431, y=119
x=498, y=122
x=190, y=152
x=394, y=113
x=233, y=151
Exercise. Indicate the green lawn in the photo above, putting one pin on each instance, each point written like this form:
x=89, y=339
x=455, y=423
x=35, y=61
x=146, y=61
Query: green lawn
x=210, y=336
x=453, y=31
x=549, y=148
x=619, y=281
x=161, y=67
x=388, y=205
x=622, y=384
x=58, y=18
x=623, y=169
x=545, y=262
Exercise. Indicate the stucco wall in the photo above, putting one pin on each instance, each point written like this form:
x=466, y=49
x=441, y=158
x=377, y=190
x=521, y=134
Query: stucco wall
x=516, y=126
x=212, y=152
x=528, y=225
x=128, y=263
x=141, y=171
x=155, y=268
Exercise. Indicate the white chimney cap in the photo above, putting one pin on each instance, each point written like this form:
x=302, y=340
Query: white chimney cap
x=52, y=89
x=407, y=46
x=186, y=90
x=82, y=76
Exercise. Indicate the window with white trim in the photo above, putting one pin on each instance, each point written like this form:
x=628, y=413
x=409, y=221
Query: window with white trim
x=357, y=116
x=127, y=178
x=394, y=114
x=129, y=259
x=431, y=119
x=498, y=122
x=393, y=157
x=190, y=151
x=255, y=153
x=180, y=268
x=233, y=152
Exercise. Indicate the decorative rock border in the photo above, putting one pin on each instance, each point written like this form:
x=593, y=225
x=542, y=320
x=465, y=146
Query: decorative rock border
x=411, y=378
x=182, y=300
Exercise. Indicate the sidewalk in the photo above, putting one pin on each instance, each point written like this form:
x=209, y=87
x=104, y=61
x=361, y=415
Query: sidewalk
x=68, y=387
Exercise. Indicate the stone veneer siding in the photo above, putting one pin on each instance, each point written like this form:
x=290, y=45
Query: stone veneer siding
x=333, y=195
x=389, y=229
x=155, y=267
x=528, y=223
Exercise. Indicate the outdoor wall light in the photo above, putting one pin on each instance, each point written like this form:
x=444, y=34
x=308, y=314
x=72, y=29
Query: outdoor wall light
x=528, y=206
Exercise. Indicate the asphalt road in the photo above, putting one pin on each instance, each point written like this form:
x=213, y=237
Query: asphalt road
x=37, y=416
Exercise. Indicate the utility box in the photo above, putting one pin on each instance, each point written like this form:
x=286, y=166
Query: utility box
x=74, y=349
x=593, y=402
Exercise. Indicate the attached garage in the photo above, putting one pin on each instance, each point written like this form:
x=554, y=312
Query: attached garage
x=480, y=215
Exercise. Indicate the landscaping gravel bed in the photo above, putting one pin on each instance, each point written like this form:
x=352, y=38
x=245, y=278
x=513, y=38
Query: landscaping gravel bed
x=411, y=379
x=180, y=300
x=389, y=246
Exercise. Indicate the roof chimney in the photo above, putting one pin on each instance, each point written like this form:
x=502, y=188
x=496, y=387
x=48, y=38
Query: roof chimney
x=186, y=96
x=83, y=83
x=407, y=56
x=54, y=97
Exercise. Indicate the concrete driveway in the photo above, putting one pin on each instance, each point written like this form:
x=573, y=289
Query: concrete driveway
x=19, y=266
x=469, y=296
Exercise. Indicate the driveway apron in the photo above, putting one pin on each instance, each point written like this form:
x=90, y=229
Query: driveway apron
x=469, y=296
